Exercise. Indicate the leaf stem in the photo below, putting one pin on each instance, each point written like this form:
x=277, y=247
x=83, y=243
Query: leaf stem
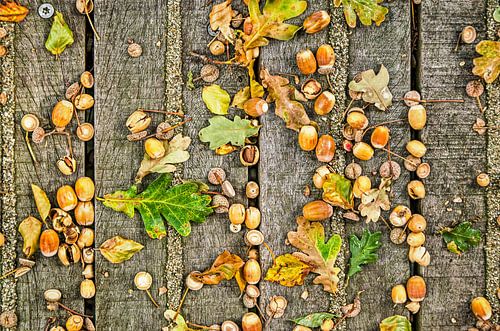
x=32, y=154
x=152, y=299
x=399, y=156
x=270, y=252
x=74, y=312
x=169, y=128
x=177, y=312
x=91, y=24
x=379, y=124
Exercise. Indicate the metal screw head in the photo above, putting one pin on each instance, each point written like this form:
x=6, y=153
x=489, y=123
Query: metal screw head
x=46, y=10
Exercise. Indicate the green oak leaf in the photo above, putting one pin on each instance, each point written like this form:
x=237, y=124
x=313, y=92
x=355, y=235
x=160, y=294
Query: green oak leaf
x=60, y=36
x=461, y=238
x=216, y=99
x=367, y=11
x=395, y=323
x=222, y=131
x=337, y=191
x=363, y=251
x=374, y=87
x=178, y=205
x=313, y=320
x=496, y=14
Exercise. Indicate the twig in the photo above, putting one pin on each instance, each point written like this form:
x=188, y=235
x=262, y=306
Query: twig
x=379, y=124
x=434, y=100
x=169, y=128
x=90, y=22
x=209, y=60
x=177, y=312
x=161, y=112
x=399, y=156
x=74, y=312
x=270, y=251
x=30, y=149
x=152, y=299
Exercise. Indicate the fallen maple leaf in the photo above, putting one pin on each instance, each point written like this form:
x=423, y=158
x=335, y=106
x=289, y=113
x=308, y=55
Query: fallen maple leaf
x=288, y=270
x=366, y=10
x=12, y=11
x=337, y=191
x=225, y=267
x=374, y=200
x=283, y=94
x=321, y=256
x=374, y=87
x=488, y=65
x=220, y=19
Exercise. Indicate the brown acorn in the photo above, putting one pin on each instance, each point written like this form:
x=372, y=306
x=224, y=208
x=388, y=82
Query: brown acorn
x=84, y=188
x=256, y=107
x=62, y=113
x=311, y=89
x=317, y=210
x=362, y=151
x=306, y=62
x=325, y=149
x=49, y=243
x=154, y=148
x=66, y=198
x=316, y=22
x=417, y=117
x=84, y=213
x=251, y=322
x=324, y=103
x=325, y=55
x=380, y=137
x=416, y=288
x=481, y=308
x=357, y=119
x=308, y=138
x=252, y=271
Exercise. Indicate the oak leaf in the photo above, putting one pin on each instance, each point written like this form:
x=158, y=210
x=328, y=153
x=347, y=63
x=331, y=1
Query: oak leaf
x=42, y=201
x=60, y=35
x=220, y=19
x=366, y=10
x=375, y=200
x=374, y=87
x=461, y=238
x=118, y=249
x=225, y=267
x=284, y=96
x=320, y=256
x=488, y=65
x=12, y=11
x=337, y=191
x=178, y=205
x=222, y=131
x=288, y=270
x=363, y=250
x=175, y=153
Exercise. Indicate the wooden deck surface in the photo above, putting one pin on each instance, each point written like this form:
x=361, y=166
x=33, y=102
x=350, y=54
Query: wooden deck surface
x=416, y=43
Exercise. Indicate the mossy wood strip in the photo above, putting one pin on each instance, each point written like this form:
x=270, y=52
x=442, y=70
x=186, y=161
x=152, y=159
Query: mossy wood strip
x=41, y=81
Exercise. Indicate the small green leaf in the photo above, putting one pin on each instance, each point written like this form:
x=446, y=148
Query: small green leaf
x=222, y=131
x=363, y=251
x=314, y=320
x=461, y=238
x=118, y=249
x=216, y=99
x=60, y=35
x=395, y=323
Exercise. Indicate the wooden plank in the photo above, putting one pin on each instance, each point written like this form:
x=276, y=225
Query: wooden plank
x=212, y=304
x=457, y=156
x=284, y=172
x=388, y=44
x=124, y=84
x=40, y=83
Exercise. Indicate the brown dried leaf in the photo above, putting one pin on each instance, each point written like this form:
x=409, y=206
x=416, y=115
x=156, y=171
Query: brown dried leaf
x=479, y=126
x=374, y=200
x=220, y=19
x=225, y=267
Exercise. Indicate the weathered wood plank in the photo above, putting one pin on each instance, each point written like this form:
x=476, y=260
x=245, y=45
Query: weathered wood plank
x=40, y=83
x=124, y=84
x=284, y=172
x=212, y=304
x=388, y=44
x=457, y=156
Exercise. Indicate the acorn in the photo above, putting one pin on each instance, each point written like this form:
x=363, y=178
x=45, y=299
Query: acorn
x=306, y=62
x=66, y=165
x=325, y=148
x=416, y=148
x=357, y=119
x=362, y=151
x=251, y=322
x=87, y=289
x=417, y=117
x=220, y=204
x=71, y=234
x=311, y=89
x=192, y=283
x=138, y=121
x=229, y=326
x=417, y=223
x=88, y=255
x=416, y=189
x=317, y=210
x=252, y=291
x=415, y=239
x=87, y=79
x=398, y=294
x=62, y=113
x=308, y=138
x=74, y=323
x=400, y=216
x=237, y=213
x=483, y=180
x=154, y=148
x=83, y=101
x=324, y=103
x=420, y=255
x=319, y=176
x=86, y=238
x=325, y=56
x=249, y=155
x=68, y=254
x=66, y=198
x=49, y=243
x=423, y=170
x=84, y=213
x=481, y=308
x=252, y=190
x=362, y=184
x=416, y=288
x=84, y=188
x=217, y=47
x=316, y=22
x=253, y=253
x=60, y=219
x=252, y=218
x=216, y=176
x=353, y=170
x=252, y=271
x=380, y=137
x=88, y=271
x=413, y=307
x=256, y=107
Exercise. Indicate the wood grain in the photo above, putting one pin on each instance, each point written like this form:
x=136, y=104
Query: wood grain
x=124, y=84
x=457, y=156
x=212, y=304
x=41, y=81
x=388, y=44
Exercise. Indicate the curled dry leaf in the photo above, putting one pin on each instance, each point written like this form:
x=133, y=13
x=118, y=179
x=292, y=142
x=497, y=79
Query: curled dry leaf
x=30, y=229
x=284, y=96
x=288, y=271
x=216, y=99
x=41, y=201
x=60, y=36
x=367, y=11
x=118, y=249
x=176, y=152
x=353, y=309
x=375, y=200
x=222, y=131
x=12, y=11
x=220, y=19
x=225, y=267
x=337, y=191
x=374, y=87
x=321, y=256
x=488, y=65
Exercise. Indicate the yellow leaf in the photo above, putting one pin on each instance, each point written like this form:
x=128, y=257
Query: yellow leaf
x=288, y=270
x=488, y=65
x=11, y=11
x=240, y=279
x=30, y=229
x=220, y=19
x=118, y=249
x=225, y=267
x=41, y=201
x=337, y=191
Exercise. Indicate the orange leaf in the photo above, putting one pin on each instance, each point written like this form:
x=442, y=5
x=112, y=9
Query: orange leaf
x=11, y=11
x=225, y=267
